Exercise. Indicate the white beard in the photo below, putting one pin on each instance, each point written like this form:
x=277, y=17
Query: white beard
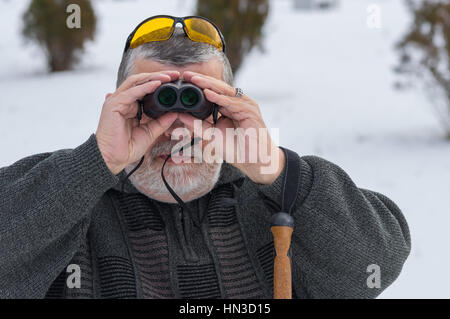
x=188, y=180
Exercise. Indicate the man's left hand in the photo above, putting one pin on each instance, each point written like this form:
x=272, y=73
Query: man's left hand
x=244, y=113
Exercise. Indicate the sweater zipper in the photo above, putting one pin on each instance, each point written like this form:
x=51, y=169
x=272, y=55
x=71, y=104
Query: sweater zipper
x=184, y=230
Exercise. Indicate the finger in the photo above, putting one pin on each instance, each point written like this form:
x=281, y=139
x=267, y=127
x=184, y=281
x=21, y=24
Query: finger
x=145, y=136
x=128, y=111
x=209, y=133
x=138, y=92
x=233, y=104
x=199, y=128
x=126, y=103
x=236, y=116
x=214, y=84
x=187, y=76
x=208, y=82
x=137, y=79
x=225, y=112
x=157, y=127
x=223, y=123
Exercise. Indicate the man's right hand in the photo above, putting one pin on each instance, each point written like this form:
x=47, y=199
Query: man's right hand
x=120, y=140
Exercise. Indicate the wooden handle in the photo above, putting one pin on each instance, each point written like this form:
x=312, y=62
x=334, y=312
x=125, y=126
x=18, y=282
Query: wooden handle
x=282, y=280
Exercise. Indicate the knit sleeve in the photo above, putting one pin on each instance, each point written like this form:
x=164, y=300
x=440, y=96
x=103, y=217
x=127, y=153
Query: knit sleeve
x=45, y=205
x=348, y=242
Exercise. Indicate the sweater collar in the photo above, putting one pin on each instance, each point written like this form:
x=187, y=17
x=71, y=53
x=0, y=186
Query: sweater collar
x=228, y=174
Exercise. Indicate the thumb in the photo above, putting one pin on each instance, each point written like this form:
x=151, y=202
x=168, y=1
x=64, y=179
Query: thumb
x=158, y=126
x=145, y=135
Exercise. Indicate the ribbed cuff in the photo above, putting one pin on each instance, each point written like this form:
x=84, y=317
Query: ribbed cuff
x=274, y=191
x=84, y=171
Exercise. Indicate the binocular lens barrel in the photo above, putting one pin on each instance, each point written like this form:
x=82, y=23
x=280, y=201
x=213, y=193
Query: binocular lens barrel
x=189, y=97
x=177, y=96
x=167, y=97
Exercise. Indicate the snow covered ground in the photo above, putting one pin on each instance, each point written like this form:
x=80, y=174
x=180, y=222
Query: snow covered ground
x=325, y=80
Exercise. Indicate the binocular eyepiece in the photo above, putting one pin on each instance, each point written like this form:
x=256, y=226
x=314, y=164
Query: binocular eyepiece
x=178, y=96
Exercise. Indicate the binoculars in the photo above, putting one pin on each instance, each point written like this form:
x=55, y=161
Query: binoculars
x=178, y=96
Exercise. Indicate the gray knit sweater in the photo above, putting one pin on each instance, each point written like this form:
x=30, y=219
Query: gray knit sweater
x=66, y=208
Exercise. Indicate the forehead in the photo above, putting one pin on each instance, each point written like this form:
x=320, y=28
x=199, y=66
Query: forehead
x=212, y=67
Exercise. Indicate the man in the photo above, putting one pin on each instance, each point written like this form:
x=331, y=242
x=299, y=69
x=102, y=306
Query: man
x=68, y=230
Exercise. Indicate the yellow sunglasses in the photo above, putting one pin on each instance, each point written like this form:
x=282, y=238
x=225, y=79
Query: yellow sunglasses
x=161, y=27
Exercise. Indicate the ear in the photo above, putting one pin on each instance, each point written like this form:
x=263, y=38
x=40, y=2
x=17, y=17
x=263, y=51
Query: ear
x=108, y=95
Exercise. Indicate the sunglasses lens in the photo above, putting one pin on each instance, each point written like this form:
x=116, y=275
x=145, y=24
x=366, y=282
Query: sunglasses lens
x=167, y=97
x=157, y=29
x=189, y=97
x=200, y=30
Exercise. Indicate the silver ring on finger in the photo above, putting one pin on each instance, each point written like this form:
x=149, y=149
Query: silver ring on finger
x=239, y=92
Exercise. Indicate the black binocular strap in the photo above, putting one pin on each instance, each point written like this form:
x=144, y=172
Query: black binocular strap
x=291, y=183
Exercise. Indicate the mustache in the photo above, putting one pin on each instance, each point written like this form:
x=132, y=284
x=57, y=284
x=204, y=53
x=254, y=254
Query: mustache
x=163, y=148
x=168, y=147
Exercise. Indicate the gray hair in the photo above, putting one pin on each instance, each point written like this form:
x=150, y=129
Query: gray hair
x=179, y=50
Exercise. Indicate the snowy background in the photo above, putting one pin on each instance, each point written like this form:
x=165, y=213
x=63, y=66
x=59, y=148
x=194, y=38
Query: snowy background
x=325, y=80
